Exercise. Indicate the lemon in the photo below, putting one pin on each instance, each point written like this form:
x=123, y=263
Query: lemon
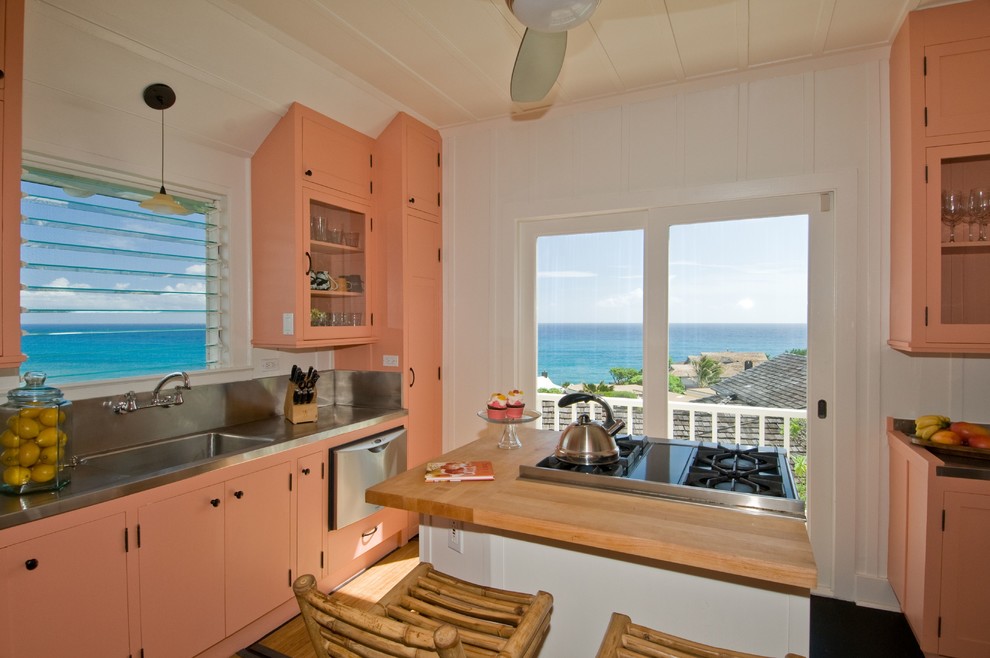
x=29, y=413
x=50, y=455
x=48, y=437
x=27, y=428
x=52, y=417
x=10, y=457
x=16, y=476
x=29, y=453
x=12, y=422
x=42, y=473
x=10, y=440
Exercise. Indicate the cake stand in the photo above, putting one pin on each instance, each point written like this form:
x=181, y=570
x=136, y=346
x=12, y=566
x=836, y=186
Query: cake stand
x=510, y=440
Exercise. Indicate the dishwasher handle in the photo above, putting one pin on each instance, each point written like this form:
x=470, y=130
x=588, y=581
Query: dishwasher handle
x=375, y=443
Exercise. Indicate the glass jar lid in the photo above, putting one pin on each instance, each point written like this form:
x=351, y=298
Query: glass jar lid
x=34, y=392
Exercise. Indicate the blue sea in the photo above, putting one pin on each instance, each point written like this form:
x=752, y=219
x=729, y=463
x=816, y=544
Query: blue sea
x=74, y=352
x=585, y=352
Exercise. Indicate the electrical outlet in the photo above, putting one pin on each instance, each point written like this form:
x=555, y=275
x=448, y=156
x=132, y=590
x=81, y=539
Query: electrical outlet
x=267, y=365
x=455, y=536
x=390, y=360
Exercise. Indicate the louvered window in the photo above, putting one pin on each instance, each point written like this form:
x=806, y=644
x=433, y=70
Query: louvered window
x=110, y=290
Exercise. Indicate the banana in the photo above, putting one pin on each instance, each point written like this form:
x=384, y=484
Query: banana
x=925, y=426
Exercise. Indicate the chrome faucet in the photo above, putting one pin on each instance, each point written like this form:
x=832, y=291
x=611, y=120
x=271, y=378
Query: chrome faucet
x=130, y=403
x=176, y=398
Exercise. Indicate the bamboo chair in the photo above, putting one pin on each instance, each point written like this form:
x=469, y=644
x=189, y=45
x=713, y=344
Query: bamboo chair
x=427, y=614
x=624, y=639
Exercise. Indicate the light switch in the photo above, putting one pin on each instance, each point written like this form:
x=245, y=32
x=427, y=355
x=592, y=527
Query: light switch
x=288, y=322
x=390, y=360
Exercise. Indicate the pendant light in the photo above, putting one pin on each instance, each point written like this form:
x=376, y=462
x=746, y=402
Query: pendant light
x=161, y=97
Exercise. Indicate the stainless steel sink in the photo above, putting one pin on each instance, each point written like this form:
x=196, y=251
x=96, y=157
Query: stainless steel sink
x=161, y=455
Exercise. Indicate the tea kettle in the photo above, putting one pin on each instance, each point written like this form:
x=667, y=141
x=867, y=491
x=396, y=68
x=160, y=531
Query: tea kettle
x=585, y=441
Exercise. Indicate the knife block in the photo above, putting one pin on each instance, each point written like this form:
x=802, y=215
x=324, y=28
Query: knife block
x=299, y=413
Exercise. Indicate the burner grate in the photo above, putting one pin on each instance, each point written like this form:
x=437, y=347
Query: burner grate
x=740, y=469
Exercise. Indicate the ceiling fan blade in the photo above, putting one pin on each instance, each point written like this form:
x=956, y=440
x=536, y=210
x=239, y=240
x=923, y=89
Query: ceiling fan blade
x=538, y=62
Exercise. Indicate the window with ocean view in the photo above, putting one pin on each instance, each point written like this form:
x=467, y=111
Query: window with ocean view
x=110, y=290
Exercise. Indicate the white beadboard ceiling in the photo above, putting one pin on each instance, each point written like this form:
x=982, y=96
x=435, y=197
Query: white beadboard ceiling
x=237, y=64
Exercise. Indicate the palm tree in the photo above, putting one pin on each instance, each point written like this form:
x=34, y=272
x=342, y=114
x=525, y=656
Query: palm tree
x=707, y=371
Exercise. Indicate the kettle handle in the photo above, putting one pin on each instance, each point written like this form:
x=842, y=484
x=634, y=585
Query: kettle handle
x=612, y=425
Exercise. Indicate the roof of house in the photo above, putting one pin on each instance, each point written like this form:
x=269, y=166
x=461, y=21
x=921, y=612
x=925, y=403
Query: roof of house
x=781, y=382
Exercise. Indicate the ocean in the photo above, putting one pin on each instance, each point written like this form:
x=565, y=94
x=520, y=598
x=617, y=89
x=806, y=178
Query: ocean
x=585, y=352
x=76, y=352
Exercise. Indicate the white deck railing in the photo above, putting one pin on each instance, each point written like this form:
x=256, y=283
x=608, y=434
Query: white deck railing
x=629, y=408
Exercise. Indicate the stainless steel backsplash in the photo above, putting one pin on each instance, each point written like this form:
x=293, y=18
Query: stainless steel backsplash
x=212, y=406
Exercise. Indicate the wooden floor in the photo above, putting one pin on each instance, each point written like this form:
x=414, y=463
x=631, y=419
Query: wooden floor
x=291, y=639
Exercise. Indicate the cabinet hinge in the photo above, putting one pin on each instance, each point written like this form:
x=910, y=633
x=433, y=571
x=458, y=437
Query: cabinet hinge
x=438, y=199
x=371, y=184
x=138, y=535
x=926, y=115
x=371, y=160
x=924, y=65
x=126, y=546
x=323, y=470
x=438, y=373
x=290, y=481
x=439, y=260
x=321, y=559
x=943, y=520
x=371, y=224
x=926, y=174
x=290, y=577
x=372, y=319
x=926, y=316
x=940, y=626
x=438, y=159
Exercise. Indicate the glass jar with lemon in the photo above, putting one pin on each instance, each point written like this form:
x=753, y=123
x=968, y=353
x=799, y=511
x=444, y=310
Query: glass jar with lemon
x=34, y=444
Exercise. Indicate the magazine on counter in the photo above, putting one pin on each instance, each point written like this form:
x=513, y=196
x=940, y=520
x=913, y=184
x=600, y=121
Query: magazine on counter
x=459, y=471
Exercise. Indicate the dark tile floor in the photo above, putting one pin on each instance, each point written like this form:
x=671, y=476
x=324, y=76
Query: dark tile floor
x=841, y=629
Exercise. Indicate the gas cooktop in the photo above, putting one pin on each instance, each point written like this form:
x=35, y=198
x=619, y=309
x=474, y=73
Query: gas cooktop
x=753, y=478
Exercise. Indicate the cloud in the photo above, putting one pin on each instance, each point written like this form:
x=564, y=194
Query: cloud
x=623, y=300
x=199, y=268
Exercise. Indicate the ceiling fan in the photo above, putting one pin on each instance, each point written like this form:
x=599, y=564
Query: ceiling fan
x=541, y=52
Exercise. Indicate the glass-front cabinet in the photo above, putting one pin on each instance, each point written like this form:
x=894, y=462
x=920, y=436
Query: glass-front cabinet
x=337, y=238
x=958, y=212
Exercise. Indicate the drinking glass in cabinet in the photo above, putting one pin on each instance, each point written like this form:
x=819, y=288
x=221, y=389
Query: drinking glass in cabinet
x=318, y=228
x=979, y=210
x=953, y=211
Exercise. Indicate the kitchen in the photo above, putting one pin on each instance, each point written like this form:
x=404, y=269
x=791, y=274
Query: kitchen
x=794, y=128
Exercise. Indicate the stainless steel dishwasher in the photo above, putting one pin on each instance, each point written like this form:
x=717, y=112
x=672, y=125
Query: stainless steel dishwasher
x=359, y=465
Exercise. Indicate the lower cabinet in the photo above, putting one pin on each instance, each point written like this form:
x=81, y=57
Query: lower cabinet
x=361, y=544
x=213, y=560
x=939, y=537
x=311, y=514
x=65, y=593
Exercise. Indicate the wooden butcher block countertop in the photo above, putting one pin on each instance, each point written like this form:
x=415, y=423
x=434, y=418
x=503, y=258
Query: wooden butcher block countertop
x=760, y=546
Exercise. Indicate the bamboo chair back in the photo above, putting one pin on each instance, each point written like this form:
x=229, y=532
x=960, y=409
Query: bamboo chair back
x=489, y=621
x=624, y=639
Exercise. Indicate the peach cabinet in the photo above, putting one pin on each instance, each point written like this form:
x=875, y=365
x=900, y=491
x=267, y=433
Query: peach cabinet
x=71, y=583
x=11, y=87
x=940, y=144
x=312, y=242
x=311, y=514
x=213, y=560
x=939, y=532
x=356, y=547
x=409, y=280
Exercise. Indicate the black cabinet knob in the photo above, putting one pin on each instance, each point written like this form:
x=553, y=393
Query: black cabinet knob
x=238, y=494
x=412, y=199
x=305, y=471
x=1, y=73
x=31, y=564
x=215, y=502
x=309, y=172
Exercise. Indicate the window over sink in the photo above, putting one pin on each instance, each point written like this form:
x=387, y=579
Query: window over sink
x=110, y=290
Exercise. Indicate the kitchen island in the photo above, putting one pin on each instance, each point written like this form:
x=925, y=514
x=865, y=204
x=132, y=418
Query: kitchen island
x=720, y=576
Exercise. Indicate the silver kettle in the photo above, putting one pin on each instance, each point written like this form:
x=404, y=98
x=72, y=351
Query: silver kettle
x=585, y=441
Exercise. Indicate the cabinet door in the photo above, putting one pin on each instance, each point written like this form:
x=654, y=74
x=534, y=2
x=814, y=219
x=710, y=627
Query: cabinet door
x=182, y=573
x=337, y=235
x=336, y=157
x=422, y=171
x=965, y=586
x=311, y=514
x=958, y=297
x=956, y=92
x=424, y=326
x=66, y=593
x=258, y=563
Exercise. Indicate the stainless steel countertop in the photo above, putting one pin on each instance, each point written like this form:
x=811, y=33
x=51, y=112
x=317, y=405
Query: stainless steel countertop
x=90, y=485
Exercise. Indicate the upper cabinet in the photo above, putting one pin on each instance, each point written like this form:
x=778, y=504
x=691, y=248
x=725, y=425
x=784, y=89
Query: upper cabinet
x=312, y=243
x=11, y=84
x=940, y=181
x=422, y=167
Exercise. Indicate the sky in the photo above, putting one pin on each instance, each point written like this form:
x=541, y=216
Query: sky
x=736, y=271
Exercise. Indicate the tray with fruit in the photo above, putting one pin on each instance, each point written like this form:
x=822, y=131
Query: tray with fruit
x=959, y=438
